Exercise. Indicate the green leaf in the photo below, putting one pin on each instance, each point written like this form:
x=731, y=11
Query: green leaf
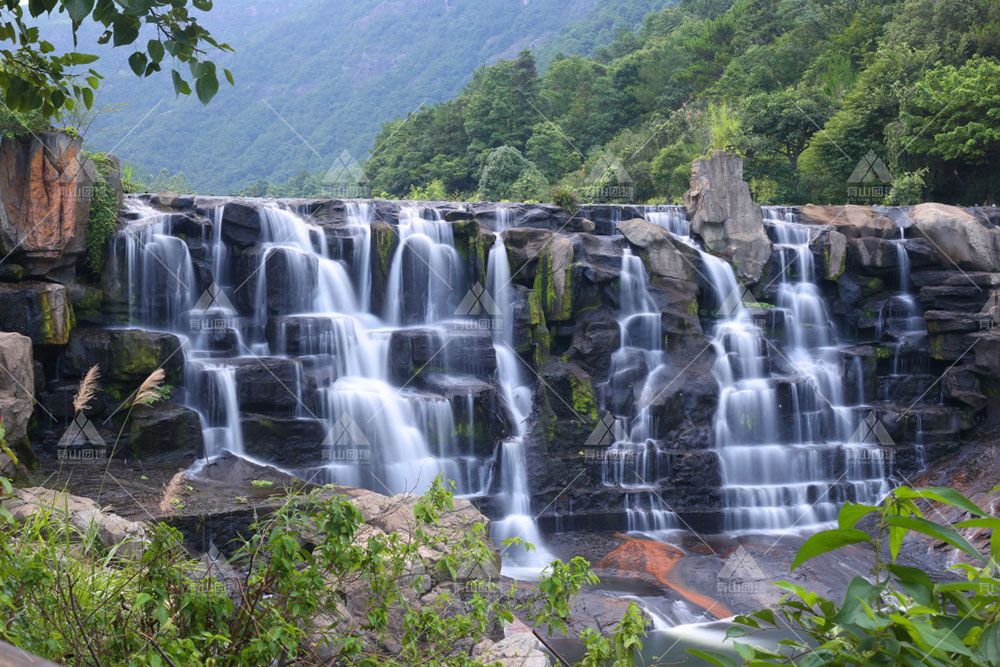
x=717, y=659
x=155, y=48
x=137, y=61
x=229, y=77
x=78, y=9
x=125, y=29
x=203, y=5
x=851, y=513
x=914, y=582
x=860, y=594
x=181, y=86
x=942, y=494
x=74, y=58
x=989, y=644
x=937, y=531
x=828, y=540
x=207, y=86
x=88, y=97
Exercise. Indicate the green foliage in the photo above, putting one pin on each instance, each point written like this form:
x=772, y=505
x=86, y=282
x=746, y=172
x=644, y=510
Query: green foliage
x=35, y=77
x=802, y=90
x=898, y=614
x=433, y=191
x=280, y=593
x=14, y=124
x=907, y=189
x=509, y=175
x=565, y=198
x=104, y=208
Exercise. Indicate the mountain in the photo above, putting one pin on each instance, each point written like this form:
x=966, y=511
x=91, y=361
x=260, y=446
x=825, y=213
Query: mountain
x=317, y=77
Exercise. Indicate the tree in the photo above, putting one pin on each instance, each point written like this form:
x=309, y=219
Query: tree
x=551, y=151
x=33, y=77
x=501, y=102
x=505, y=167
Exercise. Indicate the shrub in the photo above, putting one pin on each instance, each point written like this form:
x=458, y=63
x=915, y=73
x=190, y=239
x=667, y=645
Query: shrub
x=907, y=189
x=104, y=208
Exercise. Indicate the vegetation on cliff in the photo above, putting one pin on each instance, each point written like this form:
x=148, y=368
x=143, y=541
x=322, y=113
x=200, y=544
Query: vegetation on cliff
x=804, y=90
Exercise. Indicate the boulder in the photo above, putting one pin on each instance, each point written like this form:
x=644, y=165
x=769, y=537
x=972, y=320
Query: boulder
x=873, y=254
x=164, y=428
x=286, y=442
x=834, y=246
x=723, y=214
x=852, y=221
x=45, y=192
x=571, y=412
x=657, y=246
x=173, y=200
x=385, y=241
x=553, y=278
x=83, y=514
x=241, y=224
x=40, y=311
x=290, y=279
x=521, y=649
x=126, y=356
x=17, y=385
x=962, y=237
x=268, y=385
x=523, y=247
x=481, y=416
x=417, y=352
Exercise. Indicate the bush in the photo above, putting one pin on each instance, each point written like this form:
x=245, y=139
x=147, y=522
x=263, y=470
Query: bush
x=283, y=595
x=565, y=198
x=507, y=175
x=433, y=191
x=907, y=189
x=897, y=614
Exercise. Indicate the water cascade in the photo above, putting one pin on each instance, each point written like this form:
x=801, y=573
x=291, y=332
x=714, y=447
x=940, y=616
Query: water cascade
x=515, y=492
x=634, y=462
x=782, y=427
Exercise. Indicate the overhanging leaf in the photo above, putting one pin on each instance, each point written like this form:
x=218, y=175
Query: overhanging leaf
x=828, y=540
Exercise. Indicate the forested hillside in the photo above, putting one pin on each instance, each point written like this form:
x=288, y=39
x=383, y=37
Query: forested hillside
x=805, y=90
x=317, y=77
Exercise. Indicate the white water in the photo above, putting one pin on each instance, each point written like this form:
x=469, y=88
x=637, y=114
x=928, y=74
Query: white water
x=515, y=491
x=782, y=436
x=314, y=303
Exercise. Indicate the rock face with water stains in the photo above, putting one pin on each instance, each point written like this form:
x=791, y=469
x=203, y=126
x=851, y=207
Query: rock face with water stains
x=45, y=190
x=723, y=214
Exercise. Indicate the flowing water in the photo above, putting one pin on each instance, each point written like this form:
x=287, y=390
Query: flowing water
x=783, y=429
x=310, y=311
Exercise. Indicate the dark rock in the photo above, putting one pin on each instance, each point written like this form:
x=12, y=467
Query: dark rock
x=417, y=352
x=241, y=224
x=289, y=443
x=268, y=385
x=163, y=428
x=873, y=254
x=126, y=356
x=482, y=420
x=290, y=277
x=40, y=311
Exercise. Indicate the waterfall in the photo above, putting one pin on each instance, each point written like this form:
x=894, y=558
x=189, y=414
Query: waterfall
x=515, y=491
x=361, y=215
x=634, y=462
x=427, y=257
x=784, y=437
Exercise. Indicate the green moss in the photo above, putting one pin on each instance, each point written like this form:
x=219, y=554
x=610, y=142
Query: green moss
x=584, y=401
x=104, y=209
x=883, y=352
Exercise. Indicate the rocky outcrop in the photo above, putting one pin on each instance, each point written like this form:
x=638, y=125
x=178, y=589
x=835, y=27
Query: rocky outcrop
x=963, y=238
x=852, y=221
x=126, y=356
x=17, y=387
x=41, y=311
x=45, y=191
x=83, y=515
x=723, y=214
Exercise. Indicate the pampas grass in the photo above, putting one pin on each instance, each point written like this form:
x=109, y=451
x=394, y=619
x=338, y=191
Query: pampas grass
x=151, y=389
x=88, y=389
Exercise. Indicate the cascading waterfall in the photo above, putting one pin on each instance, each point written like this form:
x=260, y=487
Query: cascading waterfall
x=635, y=462
x=515, y=491
x=783, y=438
x=322, y=324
